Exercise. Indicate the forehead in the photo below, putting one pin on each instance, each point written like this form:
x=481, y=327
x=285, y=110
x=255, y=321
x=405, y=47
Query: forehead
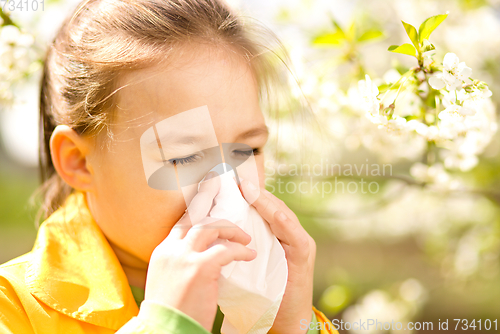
x=220, y=80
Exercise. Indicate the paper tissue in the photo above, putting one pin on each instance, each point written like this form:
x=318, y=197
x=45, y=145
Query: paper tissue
x=250, y=293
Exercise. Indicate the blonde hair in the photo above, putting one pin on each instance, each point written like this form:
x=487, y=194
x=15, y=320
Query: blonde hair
x=105, y=37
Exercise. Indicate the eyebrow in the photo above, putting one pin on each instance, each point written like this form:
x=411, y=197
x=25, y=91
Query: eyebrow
x=258, y=131
x=183, y=140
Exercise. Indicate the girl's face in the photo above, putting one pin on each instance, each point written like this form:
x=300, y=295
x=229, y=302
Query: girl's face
x=134, y=217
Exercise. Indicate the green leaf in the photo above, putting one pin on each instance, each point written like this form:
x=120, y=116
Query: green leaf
x=427, y=46
x=428, y=26
x=351, y=32
x=333, y=39
x=388, y=86
x=336, y=25
x=406, y=49
x=383, y=87
x=411, y=31
x=370, y=35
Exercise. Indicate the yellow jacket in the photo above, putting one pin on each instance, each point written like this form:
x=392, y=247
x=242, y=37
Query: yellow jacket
x=72, y=282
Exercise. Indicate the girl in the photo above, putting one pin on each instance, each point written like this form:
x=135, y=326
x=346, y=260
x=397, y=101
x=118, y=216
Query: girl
x=114, y=68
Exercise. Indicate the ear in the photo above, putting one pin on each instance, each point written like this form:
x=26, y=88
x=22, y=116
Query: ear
x=69, y=152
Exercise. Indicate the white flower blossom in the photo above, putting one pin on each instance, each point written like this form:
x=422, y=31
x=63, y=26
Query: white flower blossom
x=369, y=93
x=454, y=67
x=435, y=175
x=9, y=34
x=377, y=304
x=455, y=74
x=16, y=56
x=485, y=93
x=478, y=93
x=396, y=125
x=428, y=132
x=462, y=161
x=456, y=112
x=437, y=82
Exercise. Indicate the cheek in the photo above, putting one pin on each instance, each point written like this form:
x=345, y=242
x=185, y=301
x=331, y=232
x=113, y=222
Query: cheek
x=132, y=215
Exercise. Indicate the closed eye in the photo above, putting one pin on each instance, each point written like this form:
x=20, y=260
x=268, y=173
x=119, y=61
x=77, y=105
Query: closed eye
x=247, y=153
x=184, y=160
x=198, y=156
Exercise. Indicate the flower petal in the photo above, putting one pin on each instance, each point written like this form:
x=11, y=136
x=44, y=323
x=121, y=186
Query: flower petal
x=486, y=93
x=437, y=82
x=450, y=61
x=466, y=111
x=464, y=72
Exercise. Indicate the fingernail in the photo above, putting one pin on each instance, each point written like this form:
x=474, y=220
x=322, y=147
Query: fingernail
x=211, y=175
x=282, y=216
x=253, y=251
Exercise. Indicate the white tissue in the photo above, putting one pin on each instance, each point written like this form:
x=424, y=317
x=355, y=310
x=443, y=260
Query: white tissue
x=250, y=292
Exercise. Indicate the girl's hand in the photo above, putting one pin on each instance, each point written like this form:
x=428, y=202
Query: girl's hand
x=183, y=271
x=300, y=251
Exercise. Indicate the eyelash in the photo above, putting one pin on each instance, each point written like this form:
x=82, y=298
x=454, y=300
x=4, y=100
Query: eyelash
x=196, y=157
x=255, y=151
x=185, y=160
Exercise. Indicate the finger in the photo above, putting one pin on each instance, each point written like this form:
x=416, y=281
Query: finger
x=293, y=238
x=249, y=190
x=210, y=229
x=288, y=231
x=283, y=207
x=227, y=252
x=279, y=203
x=272, y=209
x=264, y=205
x=202, y=202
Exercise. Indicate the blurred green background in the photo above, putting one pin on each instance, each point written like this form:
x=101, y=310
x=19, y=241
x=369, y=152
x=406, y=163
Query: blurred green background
x=17, y=217
x=412, y=251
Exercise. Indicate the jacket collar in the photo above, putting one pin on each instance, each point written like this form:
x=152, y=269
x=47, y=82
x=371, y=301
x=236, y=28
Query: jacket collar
x=74, y=270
